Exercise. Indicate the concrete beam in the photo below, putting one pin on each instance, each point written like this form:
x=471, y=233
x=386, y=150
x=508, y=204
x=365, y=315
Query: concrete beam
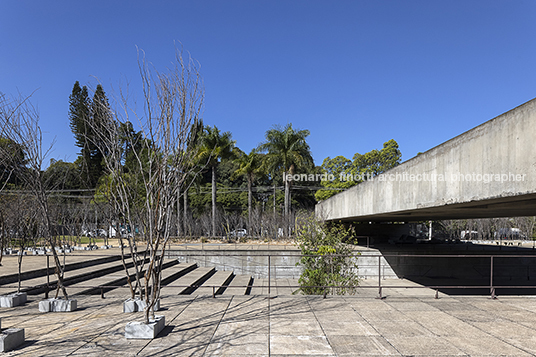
x=488, y=171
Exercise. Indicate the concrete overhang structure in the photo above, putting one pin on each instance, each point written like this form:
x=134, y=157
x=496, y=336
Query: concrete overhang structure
x=488, y=171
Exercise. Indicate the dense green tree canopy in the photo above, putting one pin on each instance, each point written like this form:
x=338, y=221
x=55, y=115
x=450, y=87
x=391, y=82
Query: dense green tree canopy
x=63, y=175
x=341, y=173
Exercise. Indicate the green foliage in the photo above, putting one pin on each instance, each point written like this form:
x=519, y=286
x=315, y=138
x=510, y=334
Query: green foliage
x=214, y=146
x=79, y=113
x=337, y=168
x=328, y=263
x=86, y=117
x=12, y=163
x=341, y=173
x=62, y=175
x=249, y=165
x=228, y=200
x=286, y=150
x=376, y=162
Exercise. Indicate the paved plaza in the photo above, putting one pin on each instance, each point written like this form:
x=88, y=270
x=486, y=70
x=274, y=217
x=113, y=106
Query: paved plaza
x=409, y=321
x=287, y=325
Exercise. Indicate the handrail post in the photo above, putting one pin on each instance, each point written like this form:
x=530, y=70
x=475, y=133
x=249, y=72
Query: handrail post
x=491, y=288
x=48, y=276
x=269, y=274
x=380, y=277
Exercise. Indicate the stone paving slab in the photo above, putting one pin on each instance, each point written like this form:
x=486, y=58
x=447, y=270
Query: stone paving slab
x=238, y=285
x=285, y=326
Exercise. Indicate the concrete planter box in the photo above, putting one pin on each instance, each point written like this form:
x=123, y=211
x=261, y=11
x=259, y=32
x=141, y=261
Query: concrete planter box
x=11, y=338
x=135, y=305
x=57, y=305
x=12, y=300
x=140, y=330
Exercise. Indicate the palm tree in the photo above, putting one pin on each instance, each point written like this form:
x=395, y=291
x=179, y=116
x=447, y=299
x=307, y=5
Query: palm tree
x=250, y=165
x=214, y=146
x=286, y=149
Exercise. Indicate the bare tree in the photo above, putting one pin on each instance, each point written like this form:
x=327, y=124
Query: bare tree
x=19, y=121
x=23, y=227
x=159, y=167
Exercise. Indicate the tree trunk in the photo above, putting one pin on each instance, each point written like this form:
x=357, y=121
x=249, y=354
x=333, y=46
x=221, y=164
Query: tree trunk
x=185, y=213
x=275, y=223
x=20, y=268
x=214, y=201
x=179, y=223
x=287, y=205
x=250, y=203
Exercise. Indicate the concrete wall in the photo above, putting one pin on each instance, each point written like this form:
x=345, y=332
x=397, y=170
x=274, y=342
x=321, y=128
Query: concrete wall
x=282, y=263
x=504, y=145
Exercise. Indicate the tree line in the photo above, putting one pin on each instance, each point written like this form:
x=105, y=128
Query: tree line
x=228, y=187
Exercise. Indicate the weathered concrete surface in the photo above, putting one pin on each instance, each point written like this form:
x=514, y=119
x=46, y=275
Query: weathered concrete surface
x=11, y=300
x=242, y=260
x=430, y=185
x=57, y=305
x=254, y=259
x=399, y=325
x=140, y=330
x=135, y=305
x=11, y=338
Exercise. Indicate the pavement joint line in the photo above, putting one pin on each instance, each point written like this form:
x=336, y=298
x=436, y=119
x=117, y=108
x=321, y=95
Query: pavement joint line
x=375, y=329
x=76, y=319
x=487, y=333
x=168, y=324
x=103, y=332
x=321, y=327
x=113, y=326
x=99, y=335
x=269, y=328
x=408, y=314
x=217, y=326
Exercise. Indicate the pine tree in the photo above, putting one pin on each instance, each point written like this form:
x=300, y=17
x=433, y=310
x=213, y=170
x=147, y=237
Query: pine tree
x=100, y=115
x=79, y=113
x=85, y=117
x=78, y=116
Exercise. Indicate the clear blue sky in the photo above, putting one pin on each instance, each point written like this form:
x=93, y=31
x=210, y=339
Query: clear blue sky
x=354, y=73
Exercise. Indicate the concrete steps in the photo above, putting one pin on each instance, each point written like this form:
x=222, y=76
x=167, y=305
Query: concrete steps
x=90, y=287
x=79, y=274
x=219, y=280
x=188, y=283
x=87, y=278
x=170, y=274
x=240, y=285
x=42, y=272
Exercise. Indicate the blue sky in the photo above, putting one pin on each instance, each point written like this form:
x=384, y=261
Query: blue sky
x=354, y=73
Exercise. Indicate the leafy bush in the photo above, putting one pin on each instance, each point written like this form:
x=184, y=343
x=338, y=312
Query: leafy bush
x=329, y=264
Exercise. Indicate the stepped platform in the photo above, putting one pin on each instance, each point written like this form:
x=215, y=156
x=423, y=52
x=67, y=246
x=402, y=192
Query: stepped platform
x=240, y=285
x=219, y=280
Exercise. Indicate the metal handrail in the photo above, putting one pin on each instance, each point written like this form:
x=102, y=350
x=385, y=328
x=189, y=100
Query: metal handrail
x=50, y=286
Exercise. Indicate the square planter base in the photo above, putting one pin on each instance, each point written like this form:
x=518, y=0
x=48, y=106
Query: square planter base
x=13, y=300
x=11, y=338
x=139, y=330
x=57, y=305
x=135, y=305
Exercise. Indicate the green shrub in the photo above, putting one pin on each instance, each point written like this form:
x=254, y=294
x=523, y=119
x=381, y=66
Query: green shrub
x=329, y=265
